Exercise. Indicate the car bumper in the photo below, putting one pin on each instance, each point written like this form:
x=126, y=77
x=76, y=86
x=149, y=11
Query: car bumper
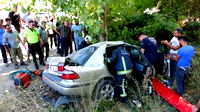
x=71, y=89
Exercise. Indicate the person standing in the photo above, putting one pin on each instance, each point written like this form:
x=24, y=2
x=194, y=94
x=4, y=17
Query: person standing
x=174, y=46
x=44, y=35
x=3, y=50
x=15, y=18
x=12, y=39
x=183, y=57
x=26, y=18
x=77, y=31
x=8, y=21
x=34, y=41
x=65, y=38
x=58, y=39
x=123, y=67
x=149, y=48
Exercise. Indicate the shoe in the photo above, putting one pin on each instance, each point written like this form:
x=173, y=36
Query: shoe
x=36, y=67
x=16, y=66
x=169, y=87
x=137, y=103
x=43, y=64
x=24, y=64
x=6, y=64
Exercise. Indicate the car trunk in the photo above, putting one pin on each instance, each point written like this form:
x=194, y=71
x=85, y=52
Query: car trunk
x=55, y=64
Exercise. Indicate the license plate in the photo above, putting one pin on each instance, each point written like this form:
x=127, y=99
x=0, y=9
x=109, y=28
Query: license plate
x=53, y=68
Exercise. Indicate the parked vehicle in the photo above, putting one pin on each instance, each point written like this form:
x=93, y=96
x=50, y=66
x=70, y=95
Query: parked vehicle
x=84, y=72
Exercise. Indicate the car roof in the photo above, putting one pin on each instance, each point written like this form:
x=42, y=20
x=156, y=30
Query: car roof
x=112, y=43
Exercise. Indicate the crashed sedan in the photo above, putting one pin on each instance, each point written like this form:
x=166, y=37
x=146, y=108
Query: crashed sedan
x=84, y=72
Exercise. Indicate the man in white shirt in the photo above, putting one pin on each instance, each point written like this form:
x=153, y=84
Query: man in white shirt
x=27, y=17
x=174, y=46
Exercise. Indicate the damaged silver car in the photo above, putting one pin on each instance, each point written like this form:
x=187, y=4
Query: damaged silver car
x=85, y=73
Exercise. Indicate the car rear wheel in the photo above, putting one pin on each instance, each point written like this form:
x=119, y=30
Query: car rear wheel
x=104, y=90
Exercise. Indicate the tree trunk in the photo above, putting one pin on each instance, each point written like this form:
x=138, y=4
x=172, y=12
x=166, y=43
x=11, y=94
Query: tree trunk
x=105, y=25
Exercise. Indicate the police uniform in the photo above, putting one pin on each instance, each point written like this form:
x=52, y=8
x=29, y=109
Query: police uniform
x=34, y=45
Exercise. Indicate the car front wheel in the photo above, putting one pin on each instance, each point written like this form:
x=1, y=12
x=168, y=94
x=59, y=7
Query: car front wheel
x=104, y=90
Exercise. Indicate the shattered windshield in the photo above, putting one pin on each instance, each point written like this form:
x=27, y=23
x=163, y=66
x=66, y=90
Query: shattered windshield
x=80, y=57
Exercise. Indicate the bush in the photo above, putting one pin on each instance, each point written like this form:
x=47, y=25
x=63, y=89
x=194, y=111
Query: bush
x=192, y=30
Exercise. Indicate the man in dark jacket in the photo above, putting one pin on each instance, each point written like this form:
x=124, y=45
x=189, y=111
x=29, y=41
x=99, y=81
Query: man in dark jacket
x=123, y=66
x=149, y=49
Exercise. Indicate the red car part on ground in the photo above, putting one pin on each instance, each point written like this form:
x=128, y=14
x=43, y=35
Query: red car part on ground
x=170, y=96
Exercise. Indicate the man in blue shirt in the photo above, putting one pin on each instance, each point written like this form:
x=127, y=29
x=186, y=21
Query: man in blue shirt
x=3, y=50
x=183, y=58
x=77, y=30
x=12, y=39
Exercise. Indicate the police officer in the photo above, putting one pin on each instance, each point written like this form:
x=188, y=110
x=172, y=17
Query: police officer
x=123, y=66
x=34, y=41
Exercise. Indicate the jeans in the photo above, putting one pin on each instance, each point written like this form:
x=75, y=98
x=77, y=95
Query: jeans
x=3, y=52
x=77, y=41
x=173, y=65
x=65, y=45
x=180, y=76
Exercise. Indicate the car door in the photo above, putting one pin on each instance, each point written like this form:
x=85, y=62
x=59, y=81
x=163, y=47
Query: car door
x=141, y=66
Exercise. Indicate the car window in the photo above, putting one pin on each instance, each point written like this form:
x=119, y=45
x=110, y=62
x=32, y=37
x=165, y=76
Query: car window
x=80, y=57
x=135, y=53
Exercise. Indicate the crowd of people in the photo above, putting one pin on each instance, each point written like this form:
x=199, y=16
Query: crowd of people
x=38, y=37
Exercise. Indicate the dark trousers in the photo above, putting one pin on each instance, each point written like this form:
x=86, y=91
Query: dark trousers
x=70, y=46
x=46, y=47
x=121, y=83
x=36, y=48
x=3, y=52
x=180, y=76
x=52, y=37
x=173, y=65
x=58, y=43
x=65, y=45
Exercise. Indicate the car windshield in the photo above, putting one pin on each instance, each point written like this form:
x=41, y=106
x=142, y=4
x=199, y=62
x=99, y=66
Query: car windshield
x=80, y=57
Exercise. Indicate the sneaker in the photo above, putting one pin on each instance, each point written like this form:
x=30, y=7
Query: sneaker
x=169, y=87
x=6, y=64
x=23, y=64
x=36, y=67
x=137, y=103
x=16, y=66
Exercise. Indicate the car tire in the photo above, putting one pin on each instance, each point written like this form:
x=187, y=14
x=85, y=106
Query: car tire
x=104, y=90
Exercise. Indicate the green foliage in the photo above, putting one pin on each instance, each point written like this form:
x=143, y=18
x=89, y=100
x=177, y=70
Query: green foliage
x=192, y=30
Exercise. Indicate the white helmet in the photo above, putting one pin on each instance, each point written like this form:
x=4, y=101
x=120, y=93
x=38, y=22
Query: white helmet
x=88, y=39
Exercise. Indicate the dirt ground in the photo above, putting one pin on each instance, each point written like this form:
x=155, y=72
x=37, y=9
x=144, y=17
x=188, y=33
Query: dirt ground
x=11, y=95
